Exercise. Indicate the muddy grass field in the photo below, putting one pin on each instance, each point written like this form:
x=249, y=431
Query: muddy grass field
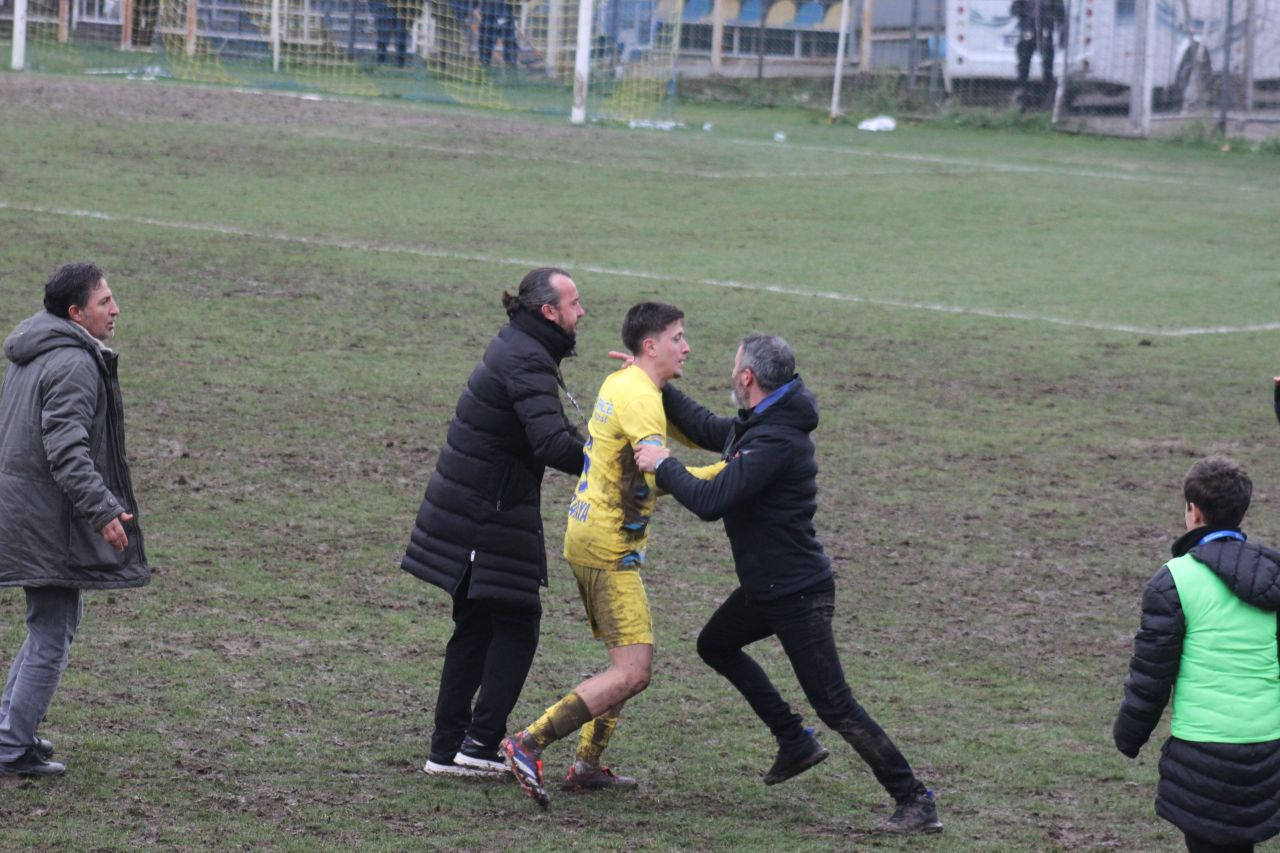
x=1020, y=343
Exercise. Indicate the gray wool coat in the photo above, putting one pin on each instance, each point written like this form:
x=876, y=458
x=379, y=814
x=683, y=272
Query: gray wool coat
x=63, y=471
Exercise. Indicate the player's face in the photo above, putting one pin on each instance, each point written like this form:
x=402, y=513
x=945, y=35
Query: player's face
x=568, y=309
x=670, y=349
x=98, y=317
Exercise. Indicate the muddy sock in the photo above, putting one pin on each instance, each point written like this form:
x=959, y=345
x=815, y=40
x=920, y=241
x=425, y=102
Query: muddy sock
x=594, y=738
x=560, y=720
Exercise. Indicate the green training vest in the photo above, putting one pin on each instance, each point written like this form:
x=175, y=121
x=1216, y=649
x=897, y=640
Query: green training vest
x=1228, y=687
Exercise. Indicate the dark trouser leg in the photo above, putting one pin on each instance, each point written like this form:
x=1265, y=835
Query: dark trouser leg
x=53, y=615
x=488, y=38
x=464, y=660
x=1025, y=48
x=1046, y=60
x=506, y=666
x=736, y=624
x=510, y=49
x=402, y=40
x=1199, y=845
x=803, y=626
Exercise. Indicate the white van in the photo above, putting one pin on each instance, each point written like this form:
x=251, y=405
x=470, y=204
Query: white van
x=1187, y=43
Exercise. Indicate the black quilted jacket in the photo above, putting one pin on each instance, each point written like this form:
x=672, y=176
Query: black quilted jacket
x=1224, y=793
x=482, y=506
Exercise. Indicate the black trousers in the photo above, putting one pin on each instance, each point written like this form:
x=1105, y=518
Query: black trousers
x=1026, y=48
x=491, y=651
x=802, y=623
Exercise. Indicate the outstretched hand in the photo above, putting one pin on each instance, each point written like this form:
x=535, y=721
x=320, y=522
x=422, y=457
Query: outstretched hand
x=627, y=358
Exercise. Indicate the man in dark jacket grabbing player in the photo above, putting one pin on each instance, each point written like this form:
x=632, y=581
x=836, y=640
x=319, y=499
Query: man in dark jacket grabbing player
x=478, y=535
x=1209, y=637
x=767, y=496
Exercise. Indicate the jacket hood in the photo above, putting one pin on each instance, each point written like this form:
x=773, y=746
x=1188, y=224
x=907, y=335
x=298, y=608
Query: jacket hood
x=1251, y=572
x=797, y=408
x=43, y=332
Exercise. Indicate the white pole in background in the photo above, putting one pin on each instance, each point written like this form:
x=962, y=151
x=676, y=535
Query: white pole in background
x=275, y=36
x=841, y=41
x=582, y=63
x=555, y=23
x=18, y=59
x=1140, y=89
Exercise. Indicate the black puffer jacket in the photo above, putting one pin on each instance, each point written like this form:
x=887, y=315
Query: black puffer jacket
x=483, y=503
x=767, y=494
x=1225, y=793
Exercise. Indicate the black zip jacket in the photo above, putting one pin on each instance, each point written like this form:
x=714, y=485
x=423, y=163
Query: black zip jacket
x=767, y=494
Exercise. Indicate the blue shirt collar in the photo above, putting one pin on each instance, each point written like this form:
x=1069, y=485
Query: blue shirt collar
x=1223, y=534
x=773, y=397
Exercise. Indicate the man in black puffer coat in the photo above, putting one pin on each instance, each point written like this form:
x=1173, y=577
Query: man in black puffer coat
x=767, y=495
x=1209, y=636
x=478, y=535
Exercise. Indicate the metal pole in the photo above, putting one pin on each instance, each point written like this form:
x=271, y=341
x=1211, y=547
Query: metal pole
x=940, y=47
x=18, y=58
x=911, y=48
x=1141, y=86
x=275, y=36
x=1226, y=71
x=764, y=10
x=555, y=22
x=1250, y=9
x=841, y=42
x=717, y=36
x=192, y=18
x=582, y=63
x=864, y=42
x=126, y=25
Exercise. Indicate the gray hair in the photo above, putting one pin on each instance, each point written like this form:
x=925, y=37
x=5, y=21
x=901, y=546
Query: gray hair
x=770, y=359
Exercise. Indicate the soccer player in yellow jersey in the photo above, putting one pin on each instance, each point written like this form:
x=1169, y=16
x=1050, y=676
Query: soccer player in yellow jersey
x=608, y=529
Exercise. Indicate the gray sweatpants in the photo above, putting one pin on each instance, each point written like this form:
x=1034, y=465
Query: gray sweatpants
x=53, y=614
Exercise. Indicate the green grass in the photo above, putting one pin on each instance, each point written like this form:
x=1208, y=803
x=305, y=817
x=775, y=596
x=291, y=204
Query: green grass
x=306, y=286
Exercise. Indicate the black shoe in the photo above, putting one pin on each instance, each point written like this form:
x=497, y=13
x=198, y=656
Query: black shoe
x=44, y=748
x=918, y=815
x=31, y=764
x=795, y=758
x=474, y=754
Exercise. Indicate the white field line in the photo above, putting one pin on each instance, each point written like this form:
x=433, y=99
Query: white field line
x=448, y=254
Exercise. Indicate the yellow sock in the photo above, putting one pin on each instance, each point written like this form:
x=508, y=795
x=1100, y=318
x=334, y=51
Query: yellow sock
x=594, y=738
x=560, y=720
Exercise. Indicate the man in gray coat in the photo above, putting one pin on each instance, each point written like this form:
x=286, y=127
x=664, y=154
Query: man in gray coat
x=67, y=510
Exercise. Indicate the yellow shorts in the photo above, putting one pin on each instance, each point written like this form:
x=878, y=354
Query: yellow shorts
x=616, y=604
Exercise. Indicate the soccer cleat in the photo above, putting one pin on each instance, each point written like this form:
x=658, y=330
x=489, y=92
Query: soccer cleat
x=522, y=757
x=587, y=777
x=795, y=758
x=448, y=767
x=920, y=814
x=475, y=756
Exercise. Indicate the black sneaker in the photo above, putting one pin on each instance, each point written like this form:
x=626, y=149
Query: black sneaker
x=918, y=815
x=795, y=758
x=474, y=754
x=31, y=764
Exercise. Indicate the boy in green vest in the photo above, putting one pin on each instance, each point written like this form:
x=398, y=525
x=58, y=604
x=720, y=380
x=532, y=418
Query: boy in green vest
x=1209, y=636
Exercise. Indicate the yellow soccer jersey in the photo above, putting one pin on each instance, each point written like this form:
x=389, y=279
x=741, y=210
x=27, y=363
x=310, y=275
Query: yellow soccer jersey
x=609, y=514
